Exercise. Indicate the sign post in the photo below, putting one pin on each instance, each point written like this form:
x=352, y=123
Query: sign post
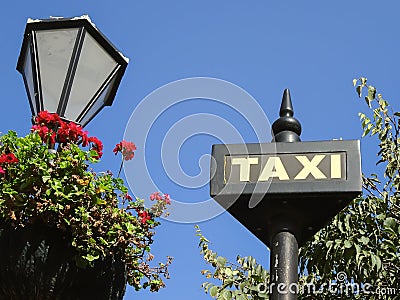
x=285, y=191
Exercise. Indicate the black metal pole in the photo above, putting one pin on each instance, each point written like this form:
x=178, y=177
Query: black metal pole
x=284, y=257
x=283, y=266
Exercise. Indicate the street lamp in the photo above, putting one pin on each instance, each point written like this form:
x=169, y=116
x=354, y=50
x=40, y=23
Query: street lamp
x=69, y=67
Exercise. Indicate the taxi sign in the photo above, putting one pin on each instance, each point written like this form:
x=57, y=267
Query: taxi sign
x=286, y=185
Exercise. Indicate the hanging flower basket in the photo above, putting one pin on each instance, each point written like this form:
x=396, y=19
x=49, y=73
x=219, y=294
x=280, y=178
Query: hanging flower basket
x=37, y=262
x=67, y=232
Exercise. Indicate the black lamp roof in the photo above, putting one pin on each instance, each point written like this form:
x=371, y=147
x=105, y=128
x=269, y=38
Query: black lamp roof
x=60, y=23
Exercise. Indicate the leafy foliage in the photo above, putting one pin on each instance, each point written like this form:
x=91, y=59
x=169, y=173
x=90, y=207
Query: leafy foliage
x=363, y=240
x=58, y=189
x=239, y=280
x=361, y=245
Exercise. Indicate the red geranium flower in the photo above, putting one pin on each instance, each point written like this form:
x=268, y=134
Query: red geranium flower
x=118, y=148
x=76, y=132
x=46, y=118
x=45, y=133
x=97, y=145
x=72, y=132
x=144, y=216
x=8, y=158
x=127, y=196
x=63, y=132
x=85, y=138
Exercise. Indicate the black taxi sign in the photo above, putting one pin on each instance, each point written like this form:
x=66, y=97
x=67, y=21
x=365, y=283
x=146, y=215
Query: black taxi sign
x=306, y=182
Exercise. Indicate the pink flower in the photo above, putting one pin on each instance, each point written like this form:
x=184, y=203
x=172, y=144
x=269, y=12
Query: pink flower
x=167, y=199
x=155, y=196
x=126, y=148
x=2, y=171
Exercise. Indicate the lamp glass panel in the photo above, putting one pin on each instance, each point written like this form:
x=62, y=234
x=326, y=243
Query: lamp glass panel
x=55, y=49
x=98, y=104
x=94, y=67
x=28, y=75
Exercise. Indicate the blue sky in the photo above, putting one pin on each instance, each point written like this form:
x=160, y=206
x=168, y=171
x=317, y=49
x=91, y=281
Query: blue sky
x=315, y=48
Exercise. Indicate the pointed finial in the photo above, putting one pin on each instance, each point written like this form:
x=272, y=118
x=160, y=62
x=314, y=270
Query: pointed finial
x=286, y=105
x=286, y=128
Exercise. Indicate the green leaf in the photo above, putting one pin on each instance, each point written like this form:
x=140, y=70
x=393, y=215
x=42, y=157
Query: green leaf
x=130, y=227
x=373, y=260
x=359, y=90
x=64, y=164
x=228, y=272
x=364, y=240
x=227, y=295
x=371, y=92
x=100, y=201
x=378, y=263
x=381, y=216
x=390, y=223
x=347, y=222
x=242, y=286
x=348, y=244
x=46, y=178
x=19, y=201
x=221, y=261
x=89, y=257
x=213, y=291
x=258, y=270
x=241, y=297
x=363, y=80
x=368, y=101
